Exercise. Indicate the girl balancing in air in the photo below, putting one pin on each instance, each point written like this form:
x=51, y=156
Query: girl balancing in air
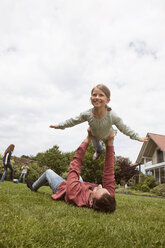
x=100, y=119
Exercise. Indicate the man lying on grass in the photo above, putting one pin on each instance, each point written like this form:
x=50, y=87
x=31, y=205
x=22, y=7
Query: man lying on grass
x=74, y=190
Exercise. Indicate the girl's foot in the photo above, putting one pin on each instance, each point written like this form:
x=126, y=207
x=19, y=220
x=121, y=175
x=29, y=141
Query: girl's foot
x=96, y=155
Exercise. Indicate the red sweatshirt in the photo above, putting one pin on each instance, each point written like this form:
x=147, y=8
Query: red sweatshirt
x=76, y=192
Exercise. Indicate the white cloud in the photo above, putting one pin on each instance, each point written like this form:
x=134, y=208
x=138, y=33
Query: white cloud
x=52, y=53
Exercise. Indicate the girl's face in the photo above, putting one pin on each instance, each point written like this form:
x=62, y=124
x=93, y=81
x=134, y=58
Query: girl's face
x=98, y=98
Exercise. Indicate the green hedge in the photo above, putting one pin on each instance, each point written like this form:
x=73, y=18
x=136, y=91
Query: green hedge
x=159, y=190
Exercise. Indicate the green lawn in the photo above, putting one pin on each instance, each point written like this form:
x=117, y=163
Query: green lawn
x=30, y=219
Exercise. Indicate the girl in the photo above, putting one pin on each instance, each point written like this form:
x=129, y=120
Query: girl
x=6, y=162
x=100, y=119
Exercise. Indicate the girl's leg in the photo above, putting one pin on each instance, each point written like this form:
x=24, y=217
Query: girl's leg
x=97, y=145
x=99, y=148
x=53, y=179
x=12, y=171
x=4, y=173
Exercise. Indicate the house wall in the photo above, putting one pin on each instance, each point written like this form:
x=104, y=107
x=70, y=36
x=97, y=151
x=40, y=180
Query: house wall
x=154, y=157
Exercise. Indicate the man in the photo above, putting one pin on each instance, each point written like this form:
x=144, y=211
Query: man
x=77, y=192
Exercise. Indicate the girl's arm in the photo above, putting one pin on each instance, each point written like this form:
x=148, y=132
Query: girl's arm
x=118, y=122
x=6, y=159
x=71, y=122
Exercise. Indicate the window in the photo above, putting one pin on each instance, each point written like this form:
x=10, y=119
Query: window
x=159, y=156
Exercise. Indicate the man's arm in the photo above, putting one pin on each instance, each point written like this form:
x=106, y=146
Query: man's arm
x=73, y=184
x=108, y=172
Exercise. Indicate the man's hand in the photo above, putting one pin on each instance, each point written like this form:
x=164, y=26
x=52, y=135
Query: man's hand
x=54, y=126
x=144, y=139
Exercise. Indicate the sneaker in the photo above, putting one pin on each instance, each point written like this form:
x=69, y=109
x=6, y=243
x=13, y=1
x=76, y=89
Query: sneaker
x=96, y=155
x=29, y=184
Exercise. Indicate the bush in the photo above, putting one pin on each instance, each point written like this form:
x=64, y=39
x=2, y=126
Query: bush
x=145, y=188
x=150, y=182
x=159, y=190
x=147, y=183
x=64, y=175
x=116, y=186
x=137, y=187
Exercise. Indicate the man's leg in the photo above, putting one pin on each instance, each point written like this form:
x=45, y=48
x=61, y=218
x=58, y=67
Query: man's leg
x=53, y=179
x=24, y=175
x=20, y=177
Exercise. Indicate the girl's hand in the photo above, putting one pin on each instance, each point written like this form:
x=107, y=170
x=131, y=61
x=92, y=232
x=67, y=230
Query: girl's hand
x=144, y=139
x=54, y=126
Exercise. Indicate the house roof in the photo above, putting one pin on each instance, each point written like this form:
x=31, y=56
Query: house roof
x=148, y=148
x=22, y=160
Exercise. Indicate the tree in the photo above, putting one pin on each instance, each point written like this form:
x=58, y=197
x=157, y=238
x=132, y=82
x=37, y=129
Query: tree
x=92, y=170
x=54, y=159
x=123, y=170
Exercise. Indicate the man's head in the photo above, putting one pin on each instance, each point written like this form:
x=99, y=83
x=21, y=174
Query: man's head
x=101, y=200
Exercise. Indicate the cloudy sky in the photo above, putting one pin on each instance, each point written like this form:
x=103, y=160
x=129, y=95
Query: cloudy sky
x=52, y=53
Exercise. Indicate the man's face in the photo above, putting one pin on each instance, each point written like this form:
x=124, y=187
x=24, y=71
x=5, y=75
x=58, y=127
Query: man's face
x=99, y=191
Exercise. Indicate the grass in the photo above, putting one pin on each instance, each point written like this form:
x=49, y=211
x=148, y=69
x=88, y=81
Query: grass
x=34, y=220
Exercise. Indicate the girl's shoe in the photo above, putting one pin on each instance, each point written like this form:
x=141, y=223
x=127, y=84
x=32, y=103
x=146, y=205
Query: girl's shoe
x=96, y=155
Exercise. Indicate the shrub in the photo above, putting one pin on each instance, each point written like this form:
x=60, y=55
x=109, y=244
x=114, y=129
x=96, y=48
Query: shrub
x=136, y=187
x=64, y=175
x=116, y=186
x=145, y=188
x=147, y=182
x=159, y=190
x=150, y=182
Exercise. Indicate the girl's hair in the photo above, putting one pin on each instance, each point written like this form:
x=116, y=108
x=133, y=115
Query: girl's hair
x=10, y=148
x=103, y=88
x=106, y=91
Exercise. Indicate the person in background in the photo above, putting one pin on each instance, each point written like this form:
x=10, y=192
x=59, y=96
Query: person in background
x=7, y=163
x=24, y=169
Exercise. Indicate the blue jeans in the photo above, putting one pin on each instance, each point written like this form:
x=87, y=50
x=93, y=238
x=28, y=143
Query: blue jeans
x=52, y=178
x=22, y=175
x=5, y=171
x=97, y=145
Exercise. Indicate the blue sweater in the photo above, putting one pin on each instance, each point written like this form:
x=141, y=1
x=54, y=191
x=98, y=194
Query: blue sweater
x=8, y=159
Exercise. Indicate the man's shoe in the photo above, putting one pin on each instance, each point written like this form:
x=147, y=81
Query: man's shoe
x=29, y=184
x=96, y=155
